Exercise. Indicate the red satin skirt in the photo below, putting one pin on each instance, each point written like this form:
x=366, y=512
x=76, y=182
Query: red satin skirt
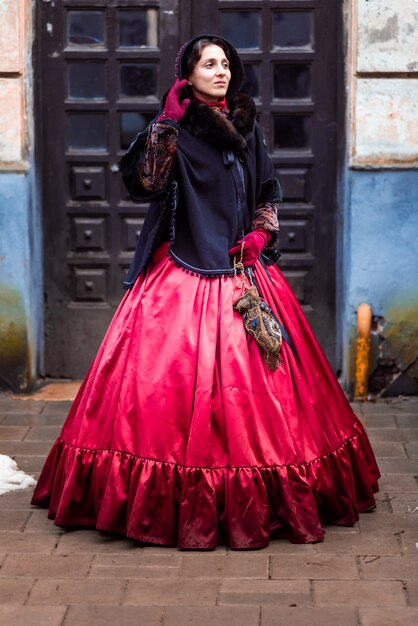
x=180, y=434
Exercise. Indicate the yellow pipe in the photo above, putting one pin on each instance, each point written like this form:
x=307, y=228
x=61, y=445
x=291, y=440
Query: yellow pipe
x=364, y=320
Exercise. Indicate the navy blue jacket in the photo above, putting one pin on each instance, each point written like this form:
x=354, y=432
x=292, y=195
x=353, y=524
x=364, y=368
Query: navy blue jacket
x=222, y=172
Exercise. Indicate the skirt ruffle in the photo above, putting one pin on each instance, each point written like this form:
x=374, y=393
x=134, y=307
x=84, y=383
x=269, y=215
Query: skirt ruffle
x=181, y=436
x=200, y=507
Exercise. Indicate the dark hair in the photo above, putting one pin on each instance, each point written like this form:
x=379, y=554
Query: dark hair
x=193, y=55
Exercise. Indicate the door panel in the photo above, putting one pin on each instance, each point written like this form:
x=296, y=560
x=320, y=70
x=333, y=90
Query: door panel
x=290, y=48
x=102, y=68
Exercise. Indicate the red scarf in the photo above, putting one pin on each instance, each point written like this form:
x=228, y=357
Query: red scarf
x=219, y=104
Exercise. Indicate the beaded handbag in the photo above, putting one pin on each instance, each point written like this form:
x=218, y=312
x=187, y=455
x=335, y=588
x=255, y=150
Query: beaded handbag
x=259, y=321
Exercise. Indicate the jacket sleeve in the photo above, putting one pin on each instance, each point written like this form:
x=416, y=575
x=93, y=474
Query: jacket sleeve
x=155, y=164
x=146, y=167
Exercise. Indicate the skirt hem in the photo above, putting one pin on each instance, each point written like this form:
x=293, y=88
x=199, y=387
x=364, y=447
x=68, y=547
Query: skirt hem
x=199, y=508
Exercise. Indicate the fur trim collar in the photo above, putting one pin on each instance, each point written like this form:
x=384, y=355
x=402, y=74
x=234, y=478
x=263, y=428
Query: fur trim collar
x=218, y=130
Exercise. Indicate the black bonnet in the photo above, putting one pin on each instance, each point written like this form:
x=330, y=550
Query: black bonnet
x=237, y=69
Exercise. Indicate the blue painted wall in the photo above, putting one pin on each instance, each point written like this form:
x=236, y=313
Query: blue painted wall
x=21, y=343
x=380, y=251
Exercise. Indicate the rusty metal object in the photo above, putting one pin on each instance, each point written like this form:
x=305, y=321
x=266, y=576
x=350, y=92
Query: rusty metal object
x=364, y=320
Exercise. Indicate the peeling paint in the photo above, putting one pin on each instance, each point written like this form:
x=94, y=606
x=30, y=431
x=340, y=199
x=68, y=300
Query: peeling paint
x=20, y=282
x=10, y=39
x=14, y=349
x=395, y=349
x=389, y=31
x=11, y=119
x=382, y=271
x=386, y=40
x=384, y=127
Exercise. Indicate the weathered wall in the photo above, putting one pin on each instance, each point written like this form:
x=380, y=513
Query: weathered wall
x=384, y=85
x=381, y=203
x=20, y=231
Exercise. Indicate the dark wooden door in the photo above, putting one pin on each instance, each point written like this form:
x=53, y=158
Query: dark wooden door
x=102, y=68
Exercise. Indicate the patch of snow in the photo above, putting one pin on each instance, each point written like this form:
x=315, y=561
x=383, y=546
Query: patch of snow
x=11, y=478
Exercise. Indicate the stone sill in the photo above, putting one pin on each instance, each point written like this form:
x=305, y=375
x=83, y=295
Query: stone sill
x=14, y=166
x=384, y=165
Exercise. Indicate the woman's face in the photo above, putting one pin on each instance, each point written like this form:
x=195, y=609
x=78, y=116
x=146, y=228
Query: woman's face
x=211, y=75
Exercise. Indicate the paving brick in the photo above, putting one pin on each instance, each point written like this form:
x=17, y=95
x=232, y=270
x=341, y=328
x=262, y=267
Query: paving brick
x=357, y=407
x=77, y=591
x=387, y=522
x=384, y=416
x=378, y=408
x=212, y=616
x=154, y=549
x=382, y=505
x=134, y=571
x=378, y=421
x=412, y=449
x=14, y=591
x=407, y=420
x=15, y=406
x=43, y=433
x=45, y=566
x=358, y=593
x=26, y=448
x=387, y=616
x=397, y=405
x=286, y=547
x=33, y=419
x=12, y=433
x=398, y=484
x=398, y=466
x=299, y=616
x=361, y=544
x=225, y=566
x=388, y=434
x=264, y=592
x=13, y=520
x=17, y=542
x=390, y=567
x=331, y=529
x=30, y=464
x=139, y=557
x=316, y=566
x=382, y=449
x=404, y=503
x=95, y=542
x=184, y=592
x=57, y=408
x=32, y=615
x=409, y=543
x=412, y=593
x=39, y=521
x=14, y=500
x=409, y=434
x=96, y=615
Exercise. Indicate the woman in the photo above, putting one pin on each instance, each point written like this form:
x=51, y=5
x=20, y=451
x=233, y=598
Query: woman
x=190, y=430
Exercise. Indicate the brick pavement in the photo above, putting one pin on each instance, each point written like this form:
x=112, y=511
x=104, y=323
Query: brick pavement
x=366, y=575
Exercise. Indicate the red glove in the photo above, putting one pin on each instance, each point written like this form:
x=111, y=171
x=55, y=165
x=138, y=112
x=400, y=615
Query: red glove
x=173, y=109
x=254, y=243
